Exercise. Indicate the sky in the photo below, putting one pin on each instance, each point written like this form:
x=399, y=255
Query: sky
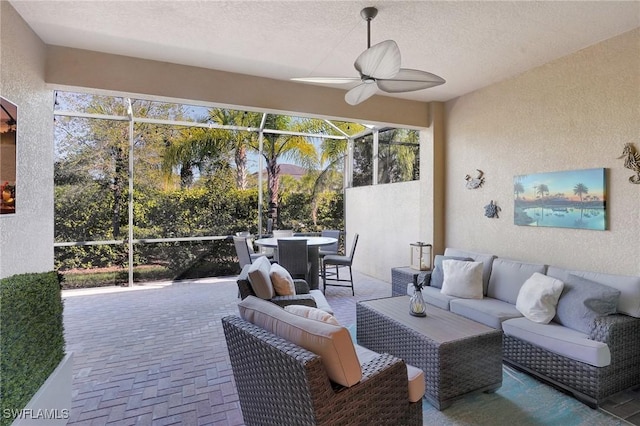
x=564, y=182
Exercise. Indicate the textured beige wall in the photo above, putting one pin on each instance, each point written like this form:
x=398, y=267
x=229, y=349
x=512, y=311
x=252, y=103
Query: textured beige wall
x=574, y=113
x=26, y=237
x=387, y=218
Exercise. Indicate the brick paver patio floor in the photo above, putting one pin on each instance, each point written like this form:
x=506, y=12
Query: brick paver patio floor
x=156, y=354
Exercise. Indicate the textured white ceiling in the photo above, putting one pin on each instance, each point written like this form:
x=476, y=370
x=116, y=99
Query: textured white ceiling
x=471, y=44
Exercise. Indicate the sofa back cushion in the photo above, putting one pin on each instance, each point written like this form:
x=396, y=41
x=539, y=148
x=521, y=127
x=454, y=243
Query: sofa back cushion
x=538, y=297
x=582, y=301
x=437, y=275
x=486, y=259
x=508, y=276
x=462, y=279
x=629, y=286
x=331, y=342
x=259, y=278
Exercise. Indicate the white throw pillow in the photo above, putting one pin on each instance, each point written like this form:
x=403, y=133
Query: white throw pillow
x=259, y=278
x=282, y=281
x=312, y=313
x=462, y=279
x=538, y=298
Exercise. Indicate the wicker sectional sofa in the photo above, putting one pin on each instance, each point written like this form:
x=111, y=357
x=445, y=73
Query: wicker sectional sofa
x=591, y=360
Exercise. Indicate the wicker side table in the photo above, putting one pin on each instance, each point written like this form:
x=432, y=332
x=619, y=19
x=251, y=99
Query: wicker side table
x=401, y=276
x=457, y=355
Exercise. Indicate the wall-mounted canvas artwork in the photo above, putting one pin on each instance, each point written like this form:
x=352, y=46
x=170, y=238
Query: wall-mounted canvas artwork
x=8, y=137
x=568, y=199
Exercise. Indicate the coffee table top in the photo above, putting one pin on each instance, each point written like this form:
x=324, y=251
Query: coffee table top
x=439, y=325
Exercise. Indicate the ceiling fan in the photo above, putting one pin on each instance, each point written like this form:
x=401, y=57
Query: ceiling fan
x=379, y=68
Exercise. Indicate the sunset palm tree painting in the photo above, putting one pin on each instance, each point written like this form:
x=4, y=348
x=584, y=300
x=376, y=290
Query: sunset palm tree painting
x=566, y=199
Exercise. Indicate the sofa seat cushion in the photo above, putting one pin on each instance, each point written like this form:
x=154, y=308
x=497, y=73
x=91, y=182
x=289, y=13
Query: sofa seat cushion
x=321, y=301
x=433, y=296
x=629, y=286
x=508, y=276
x=486, y=259
x=491, y=312
x=414, y=374
x=331, y=342
x=558, y=339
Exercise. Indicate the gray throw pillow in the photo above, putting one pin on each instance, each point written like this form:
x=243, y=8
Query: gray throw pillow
x=437, y=276
x=582, y=301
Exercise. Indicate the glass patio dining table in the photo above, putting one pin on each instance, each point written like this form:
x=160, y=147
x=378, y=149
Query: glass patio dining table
x=313, y=246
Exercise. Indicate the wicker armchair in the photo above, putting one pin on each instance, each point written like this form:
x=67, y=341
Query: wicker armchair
x=280, y=383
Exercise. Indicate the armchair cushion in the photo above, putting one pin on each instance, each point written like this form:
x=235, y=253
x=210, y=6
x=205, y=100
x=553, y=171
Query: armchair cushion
x=312, y=313
x=415, y=375
x=333, y=343
x=281, y=280
x=259, y=278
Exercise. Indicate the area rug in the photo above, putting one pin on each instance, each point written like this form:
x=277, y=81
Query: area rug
x=521, y=400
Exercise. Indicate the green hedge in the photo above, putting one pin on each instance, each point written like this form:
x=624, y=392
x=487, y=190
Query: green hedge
x=31, y=337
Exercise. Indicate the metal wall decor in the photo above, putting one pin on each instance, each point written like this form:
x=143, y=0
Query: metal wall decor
x=631, y=161
x=491, y=210
x=476, y=182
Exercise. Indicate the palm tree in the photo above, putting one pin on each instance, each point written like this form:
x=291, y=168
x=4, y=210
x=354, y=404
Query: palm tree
x=285, y=146
x=194, y=148
x=333, y=153
x=518, y=189
x=580, y=189
x=542, y=189
x=239, y=140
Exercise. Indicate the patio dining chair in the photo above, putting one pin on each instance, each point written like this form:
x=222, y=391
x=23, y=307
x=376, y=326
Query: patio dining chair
x=330, y=249
x=244, y=253
x=282, y=233
x=293, y=255
x=339, y=261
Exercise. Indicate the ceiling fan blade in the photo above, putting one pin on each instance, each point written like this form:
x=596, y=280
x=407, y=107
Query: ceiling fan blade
x=327, y=80
x=360, y=93
x=408, y=80
x=381, y=60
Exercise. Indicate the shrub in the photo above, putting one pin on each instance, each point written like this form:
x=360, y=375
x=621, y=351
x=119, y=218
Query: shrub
x=32, y=340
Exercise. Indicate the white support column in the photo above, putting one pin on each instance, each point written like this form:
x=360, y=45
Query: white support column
x=260, y=167
x=130, y=202
x=375, y=157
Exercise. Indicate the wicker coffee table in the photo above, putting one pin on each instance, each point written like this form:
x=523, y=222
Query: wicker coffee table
x=457, y=355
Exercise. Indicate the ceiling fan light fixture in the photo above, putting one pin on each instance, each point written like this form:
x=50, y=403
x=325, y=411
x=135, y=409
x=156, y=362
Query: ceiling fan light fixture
x=360, y=93
x=381, y=60
x=410, y=80
x=380, y=64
